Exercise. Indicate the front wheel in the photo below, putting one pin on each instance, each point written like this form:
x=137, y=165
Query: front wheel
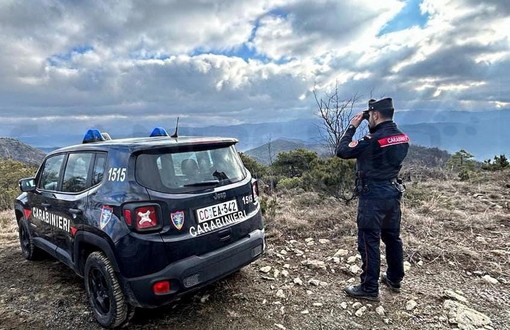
x=104, y=292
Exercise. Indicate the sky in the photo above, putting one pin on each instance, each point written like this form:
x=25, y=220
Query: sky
x=69, y=65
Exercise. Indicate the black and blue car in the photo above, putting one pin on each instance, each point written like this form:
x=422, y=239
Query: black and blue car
x=142, y=220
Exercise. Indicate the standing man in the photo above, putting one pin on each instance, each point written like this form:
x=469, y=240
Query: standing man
x=379, y=157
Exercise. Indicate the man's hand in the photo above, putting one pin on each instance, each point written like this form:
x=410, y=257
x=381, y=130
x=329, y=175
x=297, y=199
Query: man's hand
x=357, y=119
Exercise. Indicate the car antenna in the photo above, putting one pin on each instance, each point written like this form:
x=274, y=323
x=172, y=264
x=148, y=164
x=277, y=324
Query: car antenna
x=176, y=129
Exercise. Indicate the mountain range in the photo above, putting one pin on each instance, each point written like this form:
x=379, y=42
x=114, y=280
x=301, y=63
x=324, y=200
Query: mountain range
x=484, y=134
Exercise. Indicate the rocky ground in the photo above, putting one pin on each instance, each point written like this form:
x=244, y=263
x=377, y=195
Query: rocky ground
x=457, y=249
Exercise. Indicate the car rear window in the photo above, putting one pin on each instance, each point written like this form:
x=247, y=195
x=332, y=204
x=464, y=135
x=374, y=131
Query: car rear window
x=189, y=170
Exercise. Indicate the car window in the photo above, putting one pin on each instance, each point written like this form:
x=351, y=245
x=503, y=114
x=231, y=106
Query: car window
x=99, y=166
x=77, y=172
x=51, y=172
x=181, y=171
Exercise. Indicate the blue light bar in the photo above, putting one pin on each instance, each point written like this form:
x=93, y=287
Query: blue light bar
x=159, y=131
x=93, y=135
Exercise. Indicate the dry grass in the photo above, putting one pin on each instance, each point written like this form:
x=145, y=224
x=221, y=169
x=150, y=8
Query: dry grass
x=444, y=221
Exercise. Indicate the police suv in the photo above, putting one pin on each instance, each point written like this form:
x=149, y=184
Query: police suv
x=142, y=220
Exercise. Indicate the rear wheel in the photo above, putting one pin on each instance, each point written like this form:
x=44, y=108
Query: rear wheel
x=28, y=249
x=105, y=294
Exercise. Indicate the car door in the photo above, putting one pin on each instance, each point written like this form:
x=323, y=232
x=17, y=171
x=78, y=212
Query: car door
x=71, y=200
x=41, y=201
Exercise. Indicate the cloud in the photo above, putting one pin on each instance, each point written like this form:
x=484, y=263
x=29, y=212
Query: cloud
x=70, y=64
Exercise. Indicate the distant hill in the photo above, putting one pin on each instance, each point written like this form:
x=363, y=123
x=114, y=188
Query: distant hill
x=273, y=148
x=429, y=157
x=16, y=150
x=483, y=134
x=417, y=155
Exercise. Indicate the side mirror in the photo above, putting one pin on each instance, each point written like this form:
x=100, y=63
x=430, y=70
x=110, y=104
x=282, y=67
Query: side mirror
x=27, y=184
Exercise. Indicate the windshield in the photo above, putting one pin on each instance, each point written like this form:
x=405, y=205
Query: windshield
x=182, y=171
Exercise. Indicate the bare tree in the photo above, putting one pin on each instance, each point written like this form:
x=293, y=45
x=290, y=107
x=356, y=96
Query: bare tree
x=336, y=115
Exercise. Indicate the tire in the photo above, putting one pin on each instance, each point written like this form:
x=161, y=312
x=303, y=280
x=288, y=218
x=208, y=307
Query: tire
x=104, y=291
x=26, y=241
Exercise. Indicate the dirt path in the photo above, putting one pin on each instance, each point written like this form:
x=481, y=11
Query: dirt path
x=301, y=286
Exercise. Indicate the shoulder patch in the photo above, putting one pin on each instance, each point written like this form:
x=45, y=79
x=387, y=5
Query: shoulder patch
x=353, y=144
x=393, y=140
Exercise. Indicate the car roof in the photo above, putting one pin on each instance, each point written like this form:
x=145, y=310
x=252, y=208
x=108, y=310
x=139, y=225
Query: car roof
x=142, y=143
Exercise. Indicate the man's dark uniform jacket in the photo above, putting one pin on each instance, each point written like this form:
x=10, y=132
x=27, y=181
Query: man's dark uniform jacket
x=379, y=154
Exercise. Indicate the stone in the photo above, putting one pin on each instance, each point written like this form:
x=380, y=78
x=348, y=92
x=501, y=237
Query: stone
x=343, y=304
x=380, y=310
x=341, y=253
x=317, y=304
x=411, y=304
x=354, y=269
x=265, y=269
x=335, y=260
x=490, y=279
x=309, y=239
x=283, y=252
x=351, y=259
x=314, y=264
x=306, y=311
x=285, y=273
x=455, y=296
x=356, y=305
x=314, y=282
x=276, y=273
x=298, y=281
x=280, y=326
x=465, y=317
x=351, y=280
x=286, y=266
x=407, y=266
x=324, y=241
x=280, y=294
x=204, y=298
x=360, y=311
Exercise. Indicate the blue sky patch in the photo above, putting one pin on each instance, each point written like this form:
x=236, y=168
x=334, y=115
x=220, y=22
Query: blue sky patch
x=408, y=17
x=56, y=59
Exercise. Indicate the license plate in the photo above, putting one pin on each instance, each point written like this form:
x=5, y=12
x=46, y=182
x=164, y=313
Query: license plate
x=215, y=211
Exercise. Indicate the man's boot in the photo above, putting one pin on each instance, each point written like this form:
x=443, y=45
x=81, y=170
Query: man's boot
x=357, y=291
x=395, y=287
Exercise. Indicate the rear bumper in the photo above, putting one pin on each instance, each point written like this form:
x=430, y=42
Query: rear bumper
x=195, y=272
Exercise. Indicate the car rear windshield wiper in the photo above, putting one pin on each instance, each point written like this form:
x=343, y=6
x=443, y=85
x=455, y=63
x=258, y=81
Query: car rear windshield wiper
x=203, y=183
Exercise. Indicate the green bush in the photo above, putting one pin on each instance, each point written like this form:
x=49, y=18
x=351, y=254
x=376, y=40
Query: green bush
x=289, y=183
x=256, y=169
x=293, y=163
x=332, y=176
x=10, y=173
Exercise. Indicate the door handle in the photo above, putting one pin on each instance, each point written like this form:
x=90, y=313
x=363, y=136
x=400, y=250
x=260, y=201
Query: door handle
x=75, y=211
x=46, y=205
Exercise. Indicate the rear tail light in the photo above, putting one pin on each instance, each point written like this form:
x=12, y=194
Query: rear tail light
x=128, y=218
x=255, y=189
x=161, y=287
x=143, y=216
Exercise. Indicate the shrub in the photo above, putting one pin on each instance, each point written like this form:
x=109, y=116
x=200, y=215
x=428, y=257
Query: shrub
x=293, y=163
x=10, y=173
x=332, y=176
x=289, y=183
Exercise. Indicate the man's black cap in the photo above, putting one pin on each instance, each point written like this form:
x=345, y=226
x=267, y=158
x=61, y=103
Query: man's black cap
x=380, y=105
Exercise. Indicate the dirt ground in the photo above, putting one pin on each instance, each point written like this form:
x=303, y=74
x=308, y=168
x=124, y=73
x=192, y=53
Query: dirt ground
x=454, y=234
